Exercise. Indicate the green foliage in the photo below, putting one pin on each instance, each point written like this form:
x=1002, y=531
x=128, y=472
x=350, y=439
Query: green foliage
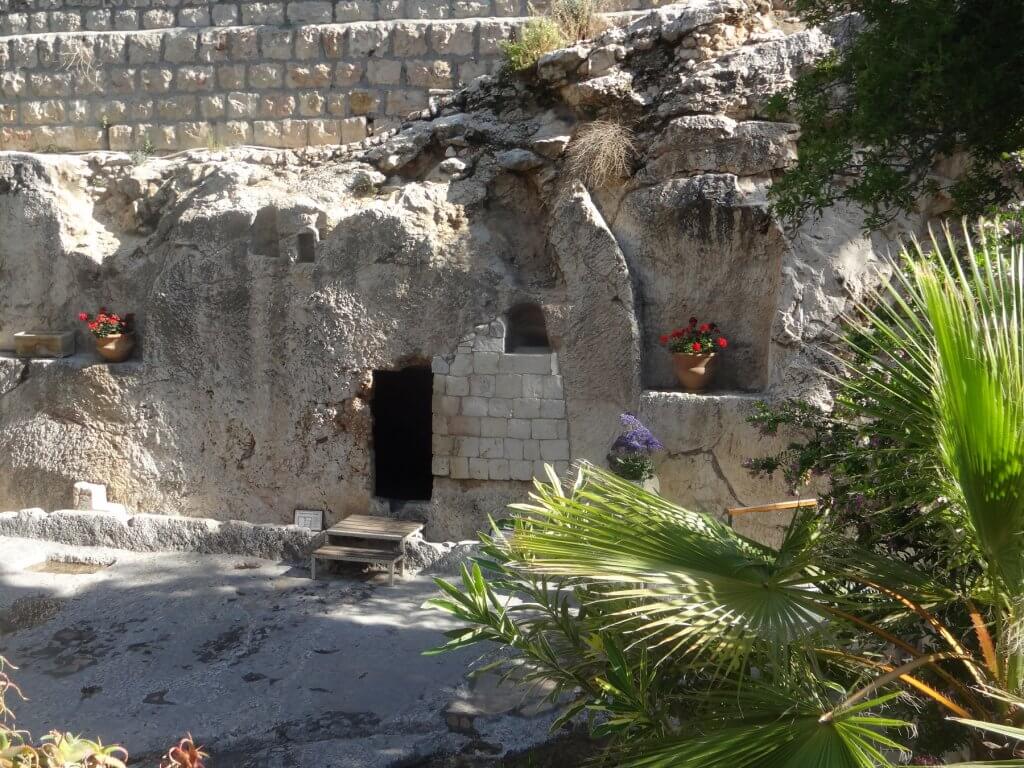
x=538, y=36
x=919, y=81
x=566, y=22
x=691, y=645
x=632, y=466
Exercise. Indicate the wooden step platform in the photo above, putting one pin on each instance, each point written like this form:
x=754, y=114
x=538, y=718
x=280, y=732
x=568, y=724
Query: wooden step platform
x=368, y=539
x=370, y=527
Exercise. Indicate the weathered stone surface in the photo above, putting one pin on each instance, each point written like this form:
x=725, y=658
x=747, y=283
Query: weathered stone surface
x=601, y=363
x=715, y=143
x=740, y=83
x=518, y=160
x=270, y=284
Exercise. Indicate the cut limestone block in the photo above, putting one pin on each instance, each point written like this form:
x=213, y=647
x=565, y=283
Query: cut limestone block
x=88, y=496
x=92, y=497
x=44, y=343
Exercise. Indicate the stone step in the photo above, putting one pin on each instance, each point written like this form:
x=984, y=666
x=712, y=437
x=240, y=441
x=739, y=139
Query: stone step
x=40, y=16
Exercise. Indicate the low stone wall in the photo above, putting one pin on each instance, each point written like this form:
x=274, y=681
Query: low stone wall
x=164, y=533
x=178, y=89
x=20, y=17
x=161, y=533
x=197, y=80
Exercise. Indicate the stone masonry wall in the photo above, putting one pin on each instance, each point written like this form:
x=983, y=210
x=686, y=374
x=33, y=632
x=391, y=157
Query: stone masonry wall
x=21, y=17
x=196, y=80
x=497, y=416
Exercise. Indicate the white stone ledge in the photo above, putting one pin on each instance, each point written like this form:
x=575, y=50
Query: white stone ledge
x=160, y=533
x=79, y=360
x=675, y=398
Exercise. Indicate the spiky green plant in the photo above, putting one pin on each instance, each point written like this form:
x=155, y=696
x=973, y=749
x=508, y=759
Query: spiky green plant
x=695, y=646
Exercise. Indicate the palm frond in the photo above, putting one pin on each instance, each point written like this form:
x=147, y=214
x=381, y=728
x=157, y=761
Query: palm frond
x=938, y=367
x=680, y=581
x=779, y=734
x=979, y=396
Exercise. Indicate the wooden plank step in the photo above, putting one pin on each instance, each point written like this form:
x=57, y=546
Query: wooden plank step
x=779, y=506
x=370, y=527
x=358, y=554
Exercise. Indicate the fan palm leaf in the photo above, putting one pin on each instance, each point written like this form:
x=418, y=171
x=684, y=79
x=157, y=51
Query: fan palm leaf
x=680, y=581
x=979, y=396
x=766, y=730
x=937, y=367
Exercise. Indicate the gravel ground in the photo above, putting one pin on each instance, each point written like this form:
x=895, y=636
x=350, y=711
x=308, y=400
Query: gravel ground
x=262, y=665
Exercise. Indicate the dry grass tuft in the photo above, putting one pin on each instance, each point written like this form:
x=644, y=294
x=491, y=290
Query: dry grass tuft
x=578, y=19
x=601, y=154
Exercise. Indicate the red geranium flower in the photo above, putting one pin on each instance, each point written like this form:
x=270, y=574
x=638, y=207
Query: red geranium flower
x=704, y=327
x=722, y=342
x=664, y=339
x=677, y=333
x=693, y=321
x=106, y=323
x=695, y=346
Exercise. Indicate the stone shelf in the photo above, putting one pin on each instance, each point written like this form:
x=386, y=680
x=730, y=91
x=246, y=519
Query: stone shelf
x=687, y=421
x=664, y=397
x=79, y=360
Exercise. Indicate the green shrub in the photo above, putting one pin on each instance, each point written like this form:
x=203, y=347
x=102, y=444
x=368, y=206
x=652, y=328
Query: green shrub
x=538, y=36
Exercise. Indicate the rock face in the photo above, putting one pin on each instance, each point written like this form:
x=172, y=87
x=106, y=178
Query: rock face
x=272, y=289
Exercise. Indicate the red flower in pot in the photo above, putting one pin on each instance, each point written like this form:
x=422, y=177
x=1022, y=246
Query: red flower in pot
x=115, y=334
x=695, y=350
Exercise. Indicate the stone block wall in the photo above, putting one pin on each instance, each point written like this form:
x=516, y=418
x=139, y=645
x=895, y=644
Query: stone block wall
x=181, y=88
x=21, y=17
x=75, y=75
x=497, y=415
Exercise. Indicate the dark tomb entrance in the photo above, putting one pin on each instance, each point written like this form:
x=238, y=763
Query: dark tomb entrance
x=401, y=433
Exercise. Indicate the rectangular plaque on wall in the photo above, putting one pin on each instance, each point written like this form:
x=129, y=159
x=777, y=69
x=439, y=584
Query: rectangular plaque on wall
x=313, y=519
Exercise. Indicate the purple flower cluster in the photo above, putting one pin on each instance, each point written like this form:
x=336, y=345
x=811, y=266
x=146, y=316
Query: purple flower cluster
x=636, y=438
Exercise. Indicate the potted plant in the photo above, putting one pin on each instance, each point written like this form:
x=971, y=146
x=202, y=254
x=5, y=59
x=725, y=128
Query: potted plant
x=631, y=457
x=695, y=351
x=115, y=337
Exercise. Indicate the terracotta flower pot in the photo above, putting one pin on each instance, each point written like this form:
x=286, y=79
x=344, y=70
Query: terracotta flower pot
x=694, y=371
x=115, y=349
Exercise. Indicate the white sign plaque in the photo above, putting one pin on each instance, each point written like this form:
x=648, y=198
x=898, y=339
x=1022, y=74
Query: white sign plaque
x=313, y=519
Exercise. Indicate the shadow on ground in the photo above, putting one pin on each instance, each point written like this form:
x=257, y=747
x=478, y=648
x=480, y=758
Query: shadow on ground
x=262, y=665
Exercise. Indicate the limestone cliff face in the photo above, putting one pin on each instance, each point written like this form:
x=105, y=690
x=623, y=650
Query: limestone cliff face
x=270, y=285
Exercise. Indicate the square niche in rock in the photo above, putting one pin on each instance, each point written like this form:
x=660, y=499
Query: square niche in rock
x=704, y=252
